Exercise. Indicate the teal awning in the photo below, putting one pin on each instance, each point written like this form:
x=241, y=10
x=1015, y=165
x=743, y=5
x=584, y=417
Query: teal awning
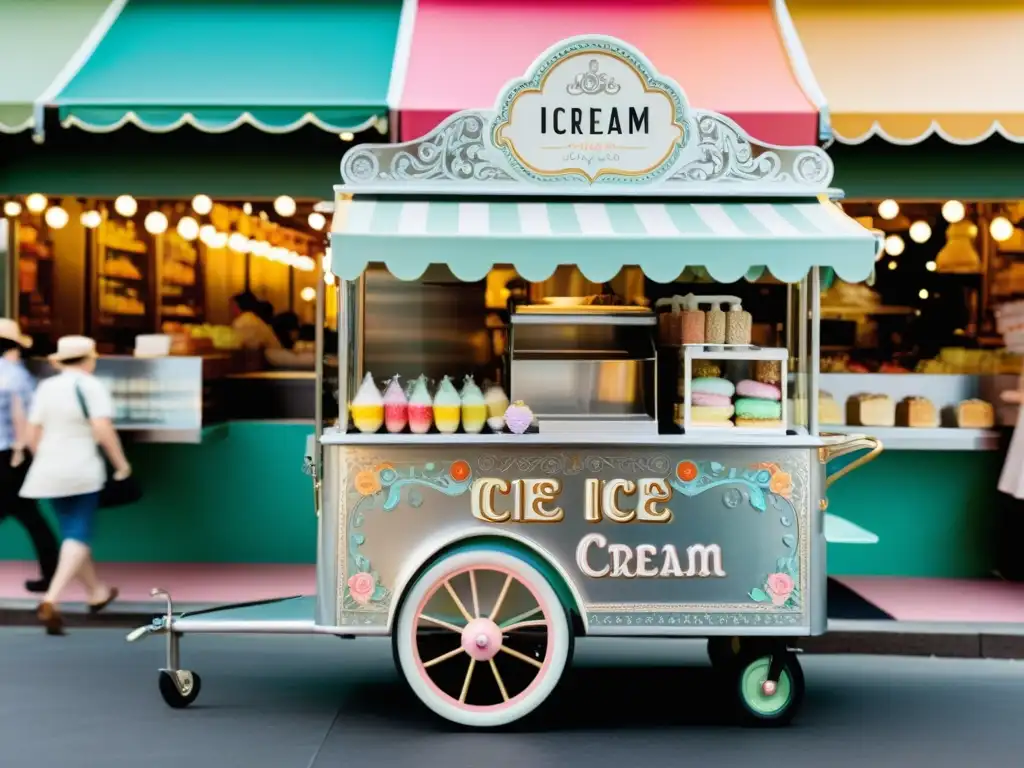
x=219, y=64
x=728, y=239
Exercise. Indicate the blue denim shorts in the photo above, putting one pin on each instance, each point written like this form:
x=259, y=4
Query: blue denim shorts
x=76, y=516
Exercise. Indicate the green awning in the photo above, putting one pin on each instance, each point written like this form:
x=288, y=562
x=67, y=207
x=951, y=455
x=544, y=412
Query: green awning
x=728, y=239
x=41, y=43
x=219, y=64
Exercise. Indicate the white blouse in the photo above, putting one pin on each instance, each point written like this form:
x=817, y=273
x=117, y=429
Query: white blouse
x=67, y=461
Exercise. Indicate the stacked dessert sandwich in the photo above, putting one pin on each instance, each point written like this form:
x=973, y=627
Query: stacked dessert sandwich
x=760, y=399
x=710, y=396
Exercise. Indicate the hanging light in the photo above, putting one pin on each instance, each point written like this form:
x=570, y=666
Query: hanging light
x=36, y=203
x=892, y=266
x=346, y=136
x=188, y=228
x=931, y=266
x=219, y=240
x=317, y=221
x=261, y=248
x=285, y=206
x=920, y=231
x=247, y=209
x=91, y=219
x=305, y=263
x=888, y=209
x=308, y=293
x=126, y=206
x=329, y=278
x=207, y=233
x=958, y=255
x=56, y=217
x=202, y=204
x=894, y=245
x=1001, y=229
x=12, y=208
x=155, y=223
x=923, y=293
x=278, y=254
x=239, y=243
x=953, y=211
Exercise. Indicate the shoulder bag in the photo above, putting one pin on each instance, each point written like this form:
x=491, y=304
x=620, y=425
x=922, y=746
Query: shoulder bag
x=115, y=493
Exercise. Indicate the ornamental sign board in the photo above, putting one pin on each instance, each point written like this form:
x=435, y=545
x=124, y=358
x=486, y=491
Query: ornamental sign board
x=591, y=109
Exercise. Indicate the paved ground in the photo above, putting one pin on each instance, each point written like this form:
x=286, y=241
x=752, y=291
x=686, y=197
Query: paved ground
x=90, y=700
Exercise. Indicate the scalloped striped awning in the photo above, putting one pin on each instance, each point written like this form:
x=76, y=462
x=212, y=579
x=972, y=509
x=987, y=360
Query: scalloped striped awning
x=728, y=239
x=218, y=64
x=903, y=70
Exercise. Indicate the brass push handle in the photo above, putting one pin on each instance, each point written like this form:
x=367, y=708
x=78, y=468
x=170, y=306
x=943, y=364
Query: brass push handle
x=849, y=444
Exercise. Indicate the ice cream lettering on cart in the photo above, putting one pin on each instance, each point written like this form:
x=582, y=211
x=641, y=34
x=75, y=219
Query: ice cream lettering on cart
x=534, y=501
x=594, y=110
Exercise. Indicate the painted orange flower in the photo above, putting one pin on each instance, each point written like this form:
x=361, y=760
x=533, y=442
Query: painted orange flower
x=367, y=483
x=781, y=483
x=686, y=471
x=383, y=465
x=459, y=470
x=770, y=466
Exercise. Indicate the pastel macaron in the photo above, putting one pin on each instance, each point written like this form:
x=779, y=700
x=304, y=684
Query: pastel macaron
x=711, y=413
x=758, y=390
x=710, y=385
x=703, y=398
x=759, y=423
x=758, y=410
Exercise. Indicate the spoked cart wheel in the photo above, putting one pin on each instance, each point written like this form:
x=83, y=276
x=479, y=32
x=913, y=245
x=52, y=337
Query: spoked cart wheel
x=482, y=638
x=768, y=687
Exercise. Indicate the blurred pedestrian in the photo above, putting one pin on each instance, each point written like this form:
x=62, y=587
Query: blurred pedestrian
x=253, y=331
x=16, y=386
x=70, y=416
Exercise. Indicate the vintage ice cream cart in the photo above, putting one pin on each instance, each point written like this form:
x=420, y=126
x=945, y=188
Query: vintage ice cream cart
x=663, y=475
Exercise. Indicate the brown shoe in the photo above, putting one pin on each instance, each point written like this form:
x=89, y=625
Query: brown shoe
x=49, y=617
x=95, y=608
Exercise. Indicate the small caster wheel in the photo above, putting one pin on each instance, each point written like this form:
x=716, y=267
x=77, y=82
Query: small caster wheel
x=179, y=688
x=761, y=702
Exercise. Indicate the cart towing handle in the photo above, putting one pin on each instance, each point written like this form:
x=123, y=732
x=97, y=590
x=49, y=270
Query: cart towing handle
x=837, y=445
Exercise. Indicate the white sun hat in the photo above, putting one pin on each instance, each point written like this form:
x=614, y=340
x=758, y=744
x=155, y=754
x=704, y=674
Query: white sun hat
x=11, y=331
x=72, y=348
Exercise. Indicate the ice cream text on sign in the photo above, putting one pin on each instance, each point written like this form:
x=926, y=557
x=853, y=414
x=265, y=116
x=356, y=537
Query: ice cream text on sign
x=534, y=500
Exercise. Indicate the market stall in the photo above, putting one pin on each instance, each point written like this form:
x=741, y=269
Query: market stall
x=666, y=476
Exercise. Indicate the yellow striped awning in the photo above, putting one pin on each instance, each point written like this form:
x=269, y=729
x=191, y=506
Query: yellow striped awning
x=904, y=70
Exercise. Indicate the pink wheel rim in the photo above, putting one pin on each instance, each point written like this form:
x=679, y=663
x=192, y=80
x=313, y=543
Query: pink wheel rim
x=480, y=641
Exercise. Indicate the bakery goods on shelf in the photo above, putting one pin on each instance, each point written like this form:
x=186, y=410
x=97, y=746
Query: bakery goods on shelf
x=868, y=410
x=975, y=414
x=917, y=412
x=829, y=412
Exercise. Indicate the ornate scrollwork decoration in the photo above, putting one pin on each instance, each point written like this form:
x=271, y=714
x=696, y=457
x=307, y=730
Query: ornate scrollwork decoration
x=456, y=151
x=592, y=82
x=726, y=155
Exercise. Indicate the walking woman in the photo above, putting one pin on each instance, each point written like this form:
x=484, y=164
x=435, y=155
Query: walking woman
x=16, y=391
x=70, y=416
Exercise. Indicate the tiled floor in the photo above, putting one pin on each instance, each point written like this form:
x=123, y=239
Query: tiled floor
x=913, y=600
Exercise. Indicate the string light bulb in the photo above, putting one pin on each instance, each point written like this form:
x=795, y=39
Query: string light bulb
x=238, y=242
x=923, y=293
x=91, y=219
x=155, y=223
x=931, y=266
x=892, y=266
x=285, y=206
x=12, y=208
x=202, y=204
x=260, y=248
x=247, y=209
x=920, y=231
x=317, y=221
x=888, y=209
x=188, y=228
x=218, y=241
x=36, y=203
x=126, y=206
x=1001, y=229
x=56, y=217
x=308, y=293
x=207, y=233
x=894, y=245
x=953, y=211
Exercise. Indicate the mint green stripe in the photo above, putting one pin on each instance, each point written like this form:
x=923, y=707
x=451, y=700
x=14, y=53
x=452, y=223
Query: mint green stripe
x=803, y=225
x=745, y=220
x=385, y=218
x=562, y=217
x=624, y=219
x=686, y=219
x=443, y=219
x=504, y=219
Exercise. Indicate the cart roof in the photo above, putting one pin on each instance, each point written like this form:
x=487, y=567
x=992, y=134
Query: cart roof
x=593, y=159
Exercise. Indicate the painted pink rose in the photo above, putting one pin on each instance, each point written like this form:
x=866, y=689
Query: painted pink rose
x=780, y=587
x=361, y=587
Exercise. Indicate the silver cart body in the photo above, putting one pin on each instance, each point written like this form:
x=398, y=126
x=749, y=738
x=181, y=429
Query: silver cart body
x=483, y=556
